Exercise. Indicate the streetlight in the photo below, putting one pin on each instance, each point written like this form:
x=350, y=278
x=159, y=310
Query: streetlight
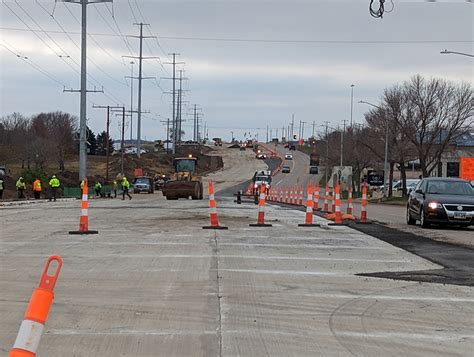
x=386, y=148
x=446, y=52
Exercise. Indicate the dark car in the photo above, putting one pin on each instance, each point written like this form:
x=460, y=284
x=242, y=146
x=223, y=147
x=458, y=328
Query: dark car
x=313, y=170
x=441, y=201
x=143, y=184
x=285, y=169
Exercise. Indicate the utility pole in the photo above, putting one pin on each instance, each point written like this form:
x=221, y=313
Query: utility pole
x=327, y=152
x=267, y=133
x=195, y=124
x=173, y=130
x=292, y=125
x=122, y=141
x=314, y=124
x=342, y=138
x=108, y=107
x=140, y=78
x=302, y=130
x=131, y=100
x=352, y=101
x=83, y=90
x=167, y=121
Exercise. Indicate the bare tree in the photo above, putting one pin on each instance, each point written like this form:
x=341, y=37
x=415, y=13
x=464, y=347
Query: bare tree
x=434, y=113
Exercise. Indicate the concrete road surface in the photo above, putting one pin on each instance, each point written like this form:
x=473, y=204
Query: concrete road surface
x=154, y=283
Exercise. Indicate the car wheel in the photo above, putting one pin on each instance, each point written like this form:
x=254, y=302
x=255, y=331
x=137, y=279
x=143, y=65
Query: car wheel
x=410, y=220
x=171, y=198
x=423, y=222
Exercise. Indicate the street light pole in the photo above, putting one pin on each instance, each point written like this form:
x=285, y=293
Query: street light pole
x=446, y=52
x=385, y=171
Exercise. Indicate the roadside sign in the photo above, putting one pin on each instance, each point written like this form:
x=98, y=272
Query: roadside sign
x=467, y=168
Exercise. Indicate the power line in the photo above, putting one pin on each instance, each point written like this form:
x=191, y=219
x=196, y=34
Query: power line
x=32, y=64
x=293, y=41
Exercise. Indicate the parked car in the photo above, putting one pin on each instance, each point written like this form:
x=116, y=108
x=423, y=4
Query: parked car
x=313, y=170
x=143, y=184
x=411, y=183
x=285, y=170
x=441, y=201
x=288, y=156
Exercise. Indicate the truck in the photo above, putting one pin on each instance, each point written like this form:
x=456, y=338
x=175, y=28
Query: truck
x=217, y=141
x=185, y=182
x=261, y=177
x=314, y=159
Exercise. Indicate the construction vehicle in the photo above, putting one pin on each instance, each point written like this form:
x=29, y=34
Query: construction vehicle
x=184, y=182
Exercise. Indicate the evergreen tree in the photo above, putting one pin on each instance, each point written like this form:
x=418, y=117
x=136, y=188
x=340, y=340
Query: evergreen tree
x=102, y=144
x=91, y=142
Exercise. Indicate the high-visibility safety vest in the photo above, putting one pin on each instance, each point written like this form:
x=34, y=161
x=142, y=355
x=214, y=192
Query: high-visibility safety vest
x=1, y=184
x=54, y=182
x=115, y=185
x=98, y=186
x=37, y=185
x=83, y=182
x=20, y=184
x=125, y=183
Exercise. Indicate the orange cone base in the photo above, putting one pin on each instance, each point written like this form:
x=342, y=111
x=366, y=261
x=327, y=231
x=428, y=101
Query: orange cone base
x=309, y=225
x=215, y=227
x=348, y=217
x=83, y=232
x=260, y=225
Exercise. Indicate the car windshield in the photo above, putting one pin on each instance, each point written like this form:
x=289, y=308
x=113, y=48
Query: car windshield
x=142, y=181
x=262, y=178
x=450, y=188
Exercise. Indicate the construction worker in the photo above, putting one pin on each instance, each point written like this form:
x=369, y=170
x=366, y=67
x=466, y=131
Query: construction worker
x=83, y=182
x=21, y=187
x=125, y=188
x=115, y=188
x=37, y=188
x=98, y=189
x=2, y=186
x=54, y=185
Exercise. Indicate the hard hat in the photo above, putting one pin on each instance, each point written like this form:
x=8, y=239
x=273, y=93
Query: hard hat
x=54, y=176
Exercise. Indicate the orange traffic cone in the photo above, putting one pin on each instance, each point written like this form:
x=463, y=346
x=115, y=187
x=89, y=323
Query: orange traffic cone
x=301, y=196
x=309, y=209
x=326, y=199
x=316, y=198
x=333, y=199
x=84, y=220
x=286, y=195
x=349, y=215
x=213, y=206
x=29, y=336
x=261, y=210
x=363, y=208
x=338, y=216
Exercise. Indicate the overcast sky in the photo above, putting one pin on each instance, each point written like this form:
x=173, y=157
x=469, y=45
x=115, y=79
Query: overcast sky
x=250, y=63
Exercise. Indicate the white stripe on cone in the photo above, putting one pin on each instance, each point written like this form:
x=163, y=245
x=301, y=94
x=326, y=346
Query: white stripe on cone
x=84, y=212
x=29, y=336
x=84, y=197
